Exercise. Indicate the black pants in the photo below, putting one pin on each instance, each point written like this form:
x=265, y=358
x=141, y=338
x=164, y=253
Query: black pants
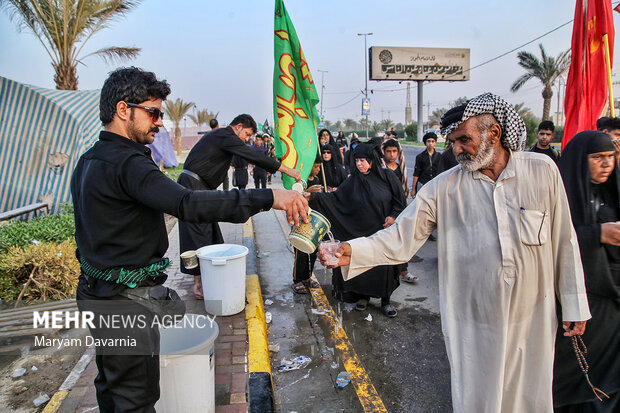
x=125, y=383
x=304, y=265
x=260, y=178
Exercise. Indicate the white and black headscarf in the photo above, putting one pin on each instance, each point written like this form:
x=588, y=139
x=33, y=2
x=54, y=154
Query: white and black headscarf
x=514, y=133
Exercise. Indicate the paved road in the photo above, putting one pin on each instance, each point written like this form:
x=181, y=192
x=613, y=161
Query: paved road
x=404, y=357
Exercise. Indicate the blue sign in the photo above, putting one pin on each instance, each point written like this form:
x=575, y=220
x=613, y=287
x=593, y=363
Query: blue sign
x=365, y=107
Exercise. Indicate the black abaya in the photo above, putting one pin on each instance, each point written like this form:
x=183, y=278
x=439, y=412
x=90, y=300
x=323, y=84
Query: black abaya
x=591, y=205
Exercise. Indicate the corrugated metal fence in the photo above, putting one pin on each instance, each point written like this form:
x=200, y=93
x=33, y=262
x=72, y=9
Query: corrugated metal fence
x=43, y=132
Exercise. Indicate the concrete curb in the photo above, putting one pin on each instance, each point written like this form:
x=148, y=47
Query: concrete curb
x=260, y=383
x=56, y=401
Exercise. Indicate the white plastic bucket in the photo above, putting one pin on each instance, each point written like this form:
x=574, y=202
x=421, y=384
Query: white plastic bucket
x=187, y=366
x=222, y=269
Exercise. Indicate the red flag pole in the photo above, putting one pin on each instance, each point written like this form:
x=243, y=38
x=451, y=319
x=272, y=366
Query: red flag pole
x=612, y=108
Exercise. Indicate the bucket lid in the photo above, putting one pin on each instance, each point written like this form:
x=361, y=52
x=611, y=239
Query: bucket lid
x=194, y=335
x=222, y=251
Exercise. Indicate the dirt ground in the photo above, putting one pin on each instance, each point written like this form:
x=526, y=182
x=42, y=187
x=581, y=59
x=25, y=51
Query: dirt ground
x=17, y=394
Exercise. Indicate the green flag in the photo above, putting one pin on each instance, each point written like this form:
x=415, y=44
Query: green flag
x=294, y=100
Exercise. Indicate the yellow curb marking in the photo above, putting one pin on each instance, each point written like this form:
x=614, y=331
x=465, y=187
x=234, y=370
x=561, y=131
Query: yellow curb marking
x=366, y=392
x=54, y=404
x=248, y=229
x=258, y=343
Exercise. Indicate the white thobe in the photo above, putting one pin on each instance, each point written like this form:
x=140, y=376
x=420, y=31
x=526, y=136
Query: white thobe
x=506, y=250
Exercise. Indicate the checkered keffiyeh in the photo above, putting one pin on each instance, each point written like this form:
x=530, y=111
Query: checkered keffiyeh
x=514, y=133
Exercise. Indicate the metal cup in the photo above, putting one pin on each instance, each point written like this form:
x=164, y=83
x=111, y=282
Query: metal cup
x=190, y=259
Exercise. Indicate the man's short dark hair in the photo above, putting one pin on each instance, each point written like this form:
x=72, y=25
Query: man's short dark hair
x=546, y=125
x=608, y=123
x=318, y=159
x=246, y=121
x=390, y=143
x=132, y=85
x=213, y=123
x=429, y=135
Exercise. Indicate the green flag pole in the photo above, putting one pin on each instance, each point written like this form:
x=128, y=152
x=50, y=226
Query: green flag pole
x=318, y=144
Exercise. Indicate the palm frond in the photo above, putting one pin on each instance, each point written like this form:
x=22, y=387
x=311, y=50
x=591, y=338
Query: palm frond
x=116, y=54
x=520, y=82
x=177, y=109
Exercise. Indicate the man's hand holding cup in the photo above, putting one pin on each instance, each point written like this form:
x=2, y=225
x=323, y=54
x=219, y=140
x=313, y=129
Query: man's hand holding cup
x=334, y=254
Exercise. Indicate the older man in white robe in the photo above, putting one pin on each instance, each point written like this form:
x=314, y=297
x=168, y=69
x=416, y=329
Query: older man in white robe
x=507, y=249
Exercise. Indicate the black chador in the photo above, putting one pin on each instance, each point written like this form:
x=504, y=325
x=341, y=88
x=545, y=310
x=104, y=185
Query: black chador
x=359, y=208
x=591, y=205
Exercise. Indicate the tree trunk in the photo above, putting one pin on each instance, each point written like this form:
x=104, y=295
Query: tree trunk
x=65, y=76
x=547, y=94
x=177, y=134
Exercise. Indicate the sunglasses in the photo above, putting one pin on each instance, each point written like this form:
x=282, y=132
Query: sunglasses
x=155, y=113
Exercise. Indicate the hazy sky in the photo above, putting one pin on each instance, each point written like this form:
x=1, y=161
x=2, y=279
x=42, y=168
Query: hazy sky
x=219, y=54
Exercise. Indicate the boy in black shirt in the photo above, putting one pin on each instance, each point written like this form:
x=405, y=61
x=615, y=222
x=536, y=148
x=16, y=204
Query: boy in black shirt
x=545, y=136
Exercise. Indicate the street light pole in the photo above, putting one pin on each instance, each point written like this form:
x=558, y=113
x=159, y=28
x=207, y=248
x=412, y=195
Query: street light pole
x=365, y=72
x=322, y=88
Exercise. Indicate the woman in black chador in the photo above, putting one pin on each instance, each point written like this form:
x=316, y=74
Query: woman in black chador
x=589, y=170
x=335, y=173
x=369, y=200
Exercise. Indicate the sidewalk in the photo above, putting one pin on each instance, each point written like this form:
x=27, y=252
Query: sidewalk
x=231, y=346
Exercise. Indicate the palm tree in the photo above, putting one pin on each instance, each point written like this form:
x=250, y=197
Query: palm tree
x=435, y=118
x=176, y=111
x=328, y=125
x=349, y=124
x=387, y=124
x=375, y=127
x=522, y=110
x=338, y=125
x=460, y=101
x=64, y=27
x=202, y=117
x=547, y=70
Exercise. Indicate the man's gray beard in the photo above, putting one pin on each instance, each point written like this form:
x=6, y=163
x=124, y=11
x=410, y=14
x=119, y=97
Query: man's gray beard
x=484, y=158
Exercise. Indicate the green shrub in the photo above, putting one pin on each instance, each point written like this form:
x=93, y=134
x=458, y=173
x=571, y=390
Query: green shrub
x=173, y=173
x=48, y=228
x=411, y=132
x=46, y=271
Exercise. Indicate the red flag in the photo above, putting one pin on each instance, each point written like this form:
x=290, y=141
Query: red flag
x=586, y=86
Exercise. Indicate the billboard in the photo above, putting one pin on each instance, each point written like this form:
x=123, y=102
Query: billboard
x=418, y=63
x=365, y=107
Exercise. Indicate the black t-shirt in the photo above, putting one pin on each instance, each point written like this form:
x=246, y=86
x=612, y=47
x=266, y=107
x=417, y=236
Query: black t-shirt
x=426, y=166
x=397, y=172
x=550, y=152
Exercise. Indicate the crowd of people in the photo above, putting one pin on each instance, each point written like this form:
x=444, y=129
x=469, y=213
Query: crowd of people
x=527, y=240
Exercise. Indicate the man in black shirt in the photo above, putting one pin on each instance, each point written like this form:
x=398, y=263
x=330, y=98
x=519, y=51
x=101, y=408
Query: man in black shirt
x=611, y=126
x=426, y=163
x=545, y=135
x=206, y=167
x=119, y=196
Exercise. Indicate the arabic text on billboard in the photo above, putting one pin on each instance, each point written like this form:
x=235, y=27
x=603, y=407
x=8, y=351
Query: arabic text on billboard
x=418, y=63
